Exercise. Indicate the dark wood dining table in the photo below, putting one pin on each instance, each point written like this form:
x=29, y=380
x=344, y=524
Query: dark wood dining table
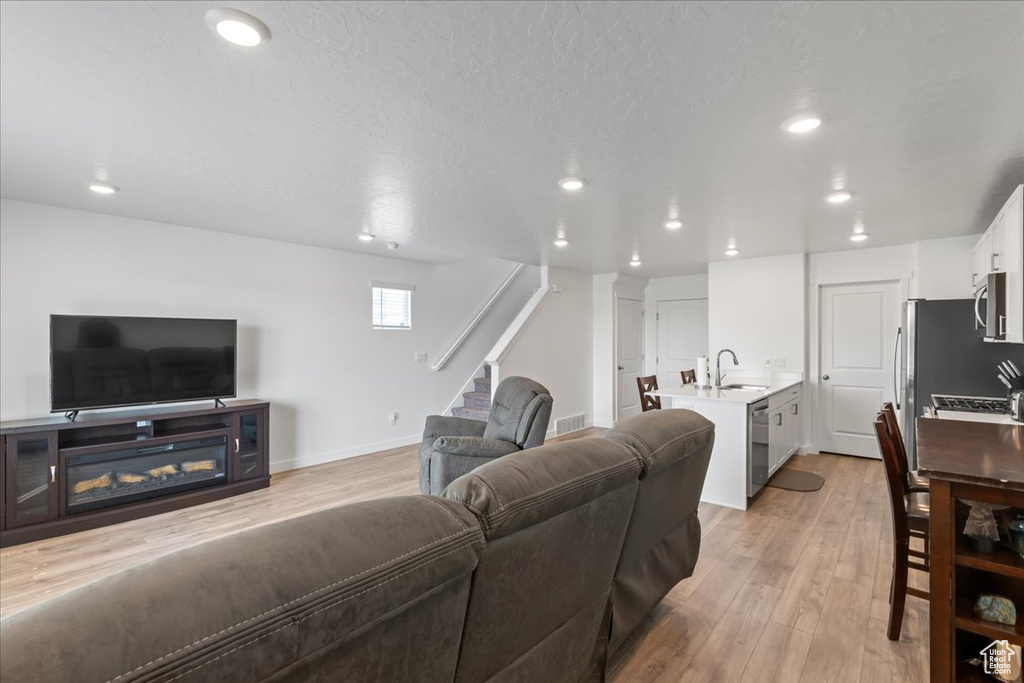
x=974, y=461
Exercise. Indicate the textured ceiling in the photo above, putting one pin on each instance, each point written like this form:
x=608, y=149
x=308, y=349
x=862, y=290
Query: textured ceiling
x=445, y=126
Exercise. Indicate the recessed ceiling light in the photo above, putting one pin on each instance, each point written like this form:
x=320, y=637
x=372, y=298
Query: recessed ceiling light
x=635, y=262
x=673, y=224
x=572, y=184
x=365, y=237
x=237, y=27
x=858, y=237
x=103, y=188
x=839, y=196
x=561, y=242
x=732, y=251
x=804, y=123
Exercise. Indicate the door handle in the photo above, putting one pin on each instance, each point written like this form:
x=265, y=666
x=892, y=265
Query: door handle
x=238, y=446
x=895, y=372
x=621, y=368
x=1002, y=325
x=994, y=255
x=779, y=423
x=53, y=474
x=825, y=377
x=796, y=409
x=977, y=310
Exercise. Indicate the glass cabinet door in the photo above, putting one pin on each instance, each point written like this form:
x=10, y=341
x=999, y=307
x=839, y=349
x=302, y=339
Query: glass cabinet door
x=250, y=433
x=31, y=479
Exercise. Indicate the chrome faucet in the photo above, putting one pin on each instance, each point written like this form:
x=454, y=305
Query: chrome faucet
x=718, y=365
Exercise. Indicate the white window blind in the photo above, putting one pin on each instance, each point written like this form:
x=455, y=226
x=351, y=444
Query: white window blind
x=392, y=306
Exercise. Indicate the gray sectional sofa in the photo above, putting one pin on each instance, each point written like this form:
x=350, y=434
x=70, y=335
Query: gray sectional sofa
x=530, y=568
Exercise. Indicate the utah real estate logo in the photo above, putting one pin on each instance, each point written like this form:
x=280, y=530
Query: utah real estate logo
x=997, y=658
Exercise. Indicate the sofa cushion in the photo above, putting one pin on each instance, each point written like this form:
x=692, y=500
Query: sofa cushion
x=368, y=591
x=554, y=518
x=511, y=494
x=663, y=539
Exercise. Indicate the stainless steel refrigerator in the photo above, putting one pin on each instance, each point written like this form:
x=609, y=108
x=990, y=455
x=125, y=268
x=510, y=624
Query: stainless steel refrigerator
x=941, y=352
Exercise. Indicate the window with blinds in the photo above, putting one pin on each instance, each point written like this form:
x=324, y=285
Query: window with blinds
x=392, y=306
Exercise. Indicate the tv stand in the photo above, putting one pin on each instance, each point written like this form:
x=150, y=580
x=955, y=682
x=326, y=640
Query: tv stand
x=217, y=403
x=69, y=473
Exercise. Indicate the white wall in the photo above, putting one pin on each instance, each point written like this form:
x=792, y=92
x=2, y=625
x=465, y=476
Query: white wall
x=556, y=348
x=944, y=268
x=603, y=357
x=305, y=342
x=757, y=308
x=666, y=289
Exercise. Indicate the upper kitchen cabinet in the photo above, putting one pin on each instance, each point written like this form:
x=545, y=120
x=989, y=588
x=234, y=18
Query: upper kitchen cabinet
x=1001, y=250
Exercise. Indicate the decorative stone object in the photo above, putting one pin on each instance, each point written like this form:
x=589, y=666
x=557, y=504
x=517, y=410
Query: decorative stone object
x=995, y=608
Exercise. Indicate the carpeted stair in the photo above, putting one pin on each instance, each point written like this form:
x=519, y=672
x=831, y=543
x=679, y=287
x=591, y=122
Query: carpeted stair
x=476, y=404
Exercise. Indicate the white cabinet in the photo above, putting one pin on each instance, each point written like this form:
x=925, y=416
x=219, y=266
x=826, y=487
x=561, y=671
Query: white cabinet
x=785, y=427
x=980, y=257
x=796, y=422
x=1001, y=250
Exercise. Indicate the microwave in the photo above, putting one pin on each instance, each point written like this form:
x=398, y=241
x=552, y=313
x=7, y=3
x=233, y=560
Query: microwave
x=990, y=308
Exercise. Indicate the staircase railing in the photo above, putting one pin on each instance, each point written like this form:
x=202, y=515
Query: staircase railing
x=512, y=334
x=447, y=355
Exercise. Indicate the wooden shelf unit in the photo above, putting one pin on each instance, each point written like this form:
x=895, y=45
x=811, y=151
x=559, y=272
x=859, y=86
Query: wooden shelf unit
x=1003, y=561
x=979, y=462
x=36, y=496
x=966, y=621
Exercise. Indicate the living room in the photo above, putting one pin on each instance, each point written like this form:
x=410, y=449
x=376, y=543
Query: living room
x=429, y=238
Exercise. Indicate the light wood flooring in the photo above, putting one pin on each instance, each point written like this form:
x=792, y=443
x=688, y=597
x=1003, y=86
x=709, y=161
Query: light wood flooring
x=794, y=589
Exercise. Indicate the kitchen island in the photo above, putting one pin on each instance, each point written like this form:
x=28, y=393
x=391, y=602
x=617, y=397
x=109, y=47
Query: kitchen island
x=758, y=426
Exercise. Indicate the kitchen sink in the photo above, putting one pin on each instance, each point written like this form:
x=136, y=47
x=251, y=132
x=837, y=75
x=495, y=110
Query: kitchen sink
x=745, y=387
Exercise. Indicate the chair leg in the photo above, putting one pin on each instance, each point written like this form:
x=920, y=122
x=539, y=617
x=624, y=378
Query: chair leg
x=898, y=589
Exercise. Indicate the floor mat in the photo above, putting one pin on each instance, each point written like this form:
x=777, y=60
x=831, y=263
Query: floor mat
x=797, y=480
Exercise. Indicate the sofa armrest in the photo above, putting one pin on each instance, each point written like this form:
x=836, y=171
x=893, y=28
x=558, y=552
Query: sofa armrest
x=474, y=447
x=443, y=425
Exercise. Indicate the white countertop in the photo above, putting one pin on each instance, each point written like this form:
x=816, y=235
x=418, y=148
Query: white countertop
x=691, y=391
x=975, y=417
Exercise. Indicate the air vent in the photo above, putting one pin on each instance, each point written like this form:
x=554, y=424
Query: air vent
x=573, y=423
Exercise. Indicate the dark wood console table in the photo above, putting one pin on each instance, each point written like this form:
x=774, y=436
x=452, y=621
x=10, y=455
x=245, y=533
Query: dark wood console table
x=59, y=476
x=969, y=461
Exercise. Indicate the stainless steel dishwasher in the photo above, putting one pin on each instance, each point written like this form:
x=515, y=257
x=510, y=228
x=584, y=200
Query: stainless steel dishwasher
x=757, y=446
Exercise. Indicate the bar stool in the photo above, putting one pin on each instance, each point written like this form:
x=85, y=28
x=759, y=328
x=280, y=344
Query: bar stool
x=645, y=384
x=909, y=519
x=915, y=482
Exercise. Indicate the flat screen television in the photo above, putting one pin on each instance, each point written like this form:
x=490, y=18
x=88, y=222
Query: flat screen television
x=107, y=362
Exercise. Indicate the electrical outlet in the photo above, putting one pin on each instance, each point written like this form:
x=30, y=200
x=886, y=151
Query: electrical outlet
x=767, y=362
x=420, y=356
x=779, y=363
x=393, y=418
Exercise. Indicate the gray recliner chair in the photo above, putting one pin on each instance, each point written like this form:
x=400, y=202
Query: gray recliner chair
x=454, y=446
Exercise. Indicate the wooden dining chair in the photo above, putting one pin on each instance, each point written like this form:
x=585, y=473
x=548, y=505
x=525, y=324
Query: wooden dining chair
x=909, y=520
x=645, y=384
x=915, y=482
x=689, y=376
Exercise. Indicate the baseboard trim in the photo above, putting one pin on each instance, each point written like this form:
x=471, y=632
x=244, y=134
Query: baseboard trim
x=343, y=454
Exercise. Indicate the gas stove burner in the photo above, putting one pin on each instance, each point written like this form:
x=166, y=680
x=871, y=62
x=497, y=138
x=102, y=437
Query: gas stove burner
x=971, y=404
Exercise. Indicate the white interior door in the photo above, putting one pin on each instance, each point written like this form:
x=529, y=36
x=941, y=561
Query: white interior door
x=629, y=360
x=857, y=325
x=682, y=337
